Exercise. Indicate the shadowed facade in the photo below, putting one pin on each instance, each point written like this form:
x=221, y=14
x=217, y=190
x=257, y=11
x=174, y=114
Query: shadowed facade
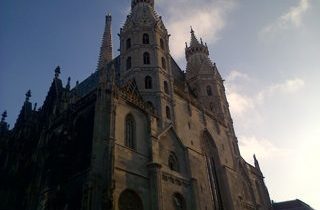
x=139, y=133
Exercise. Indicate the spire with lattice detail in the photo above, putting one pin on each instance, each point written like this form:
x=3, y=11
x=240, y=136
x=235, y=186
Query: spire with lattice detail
x=106, y=46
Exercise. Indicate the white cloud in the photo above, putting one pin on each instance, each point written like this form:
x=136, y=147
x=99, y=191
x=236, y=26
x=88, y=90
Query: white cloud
x=287, y=87
x=263, y=148
x=235, y=74
x=207, y=19
x=293, y=17
x=239, y=103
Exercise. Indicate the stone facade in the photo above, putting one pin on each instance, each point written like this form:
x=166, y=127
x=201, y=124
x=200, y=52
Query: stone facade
x=139, y=133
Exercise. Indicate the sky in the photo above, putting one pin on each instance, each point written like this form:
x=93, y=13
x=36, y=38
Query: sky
x=268, y=52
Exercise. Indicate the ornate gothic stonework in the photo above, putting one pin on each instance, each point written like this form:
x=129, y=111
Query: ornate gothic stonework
x=138, y=134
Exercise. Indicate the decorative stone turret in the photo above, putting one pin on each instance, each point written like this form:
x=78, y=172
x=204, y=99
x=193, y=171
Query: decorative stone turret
x=195, y=47
x=205, y=80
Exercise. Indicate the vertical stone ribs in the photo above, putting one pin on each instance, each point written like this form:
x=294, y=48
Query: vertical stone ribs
x=106, y=46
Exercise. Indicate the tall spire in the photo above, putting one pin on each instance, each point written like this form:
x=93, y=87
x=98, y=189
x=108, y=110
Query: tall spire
x=106, y=47
x=194, y=41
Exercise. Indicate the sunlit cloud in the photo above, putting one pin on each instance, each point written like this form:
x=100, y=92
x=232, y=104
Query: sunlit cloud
x=242, y=101
x=293, y=17
x=263, y=148
x=287, y=87
x=180, y=15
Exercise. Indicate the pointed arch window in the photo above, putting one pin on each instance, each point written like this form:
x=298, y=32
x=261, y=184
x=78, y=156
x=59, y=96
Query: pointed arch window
x=163, y=63
x=209, y=91
x=168, y=113
x=179, y=202
x=130, y=130
x=145, y=39
x=128, y=63
x=173, y=162
x=213, y=164
x=166, y=87
x=146, y=58
x=148, y=82
x=128, y=43
x=161, y=43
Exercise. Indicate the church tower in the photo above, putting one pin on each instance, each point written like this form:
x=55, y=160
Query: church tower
x=145, y=58
x=205, y=80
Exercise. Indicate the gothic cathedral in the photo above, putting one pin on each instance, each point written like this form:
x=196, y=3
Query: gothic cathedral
x=138, y=134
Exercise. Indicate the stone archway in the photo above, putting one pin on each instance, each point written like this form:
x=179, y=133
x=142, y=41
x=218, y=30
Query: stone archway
x=130, y=200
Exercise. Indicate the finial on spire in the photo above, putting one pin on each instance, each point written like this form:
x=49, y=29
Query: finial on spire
x=192, y=31
x=4, y=116
x=256, y=163
x=201, y=41
x=35, y=106
x=68, y=83
x=57, y=72
x=28, y=95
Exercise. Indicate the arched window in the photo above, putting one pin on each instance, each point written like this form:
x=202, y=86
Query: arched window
x=145, y=39
x=148, y=82
x=146, y=58
x=178, y=202
x=166, y=87
x=130, y=132
x=161, y=43
x=168, y=114
x=209, y=91
x=130, y=200
x=128, y=64
x=163, y=62
x=173, y=162
x=211, y=155
x=128, y=43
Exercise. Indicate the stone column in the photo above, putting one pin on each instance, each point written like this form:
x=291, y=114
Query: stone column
x=195, y=194
x=155, y=186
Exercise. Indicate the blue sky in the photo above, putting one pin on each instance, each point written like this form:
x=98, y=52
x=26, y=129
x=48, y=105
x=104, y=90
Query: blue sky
x=266, y=50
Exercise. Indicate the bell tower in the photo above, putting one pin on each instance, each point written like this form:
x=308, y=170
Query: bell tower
x=145, y=58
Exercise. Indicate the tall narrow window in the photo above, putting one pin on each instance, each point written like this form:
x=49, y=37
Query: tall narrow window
x=166, y=87
x=130, y=132
x=163, y=62
x=128, y=43
x=209, y=91
x=168, y=114
x=173, y=162
x=146, y=58
x=128, y=65
x=161, y=43
x=148, y=82
x=145, y=39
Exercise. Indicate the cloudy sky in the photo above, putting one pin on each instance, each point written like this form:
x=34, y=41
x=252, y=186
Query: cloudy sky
x=268, y=52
